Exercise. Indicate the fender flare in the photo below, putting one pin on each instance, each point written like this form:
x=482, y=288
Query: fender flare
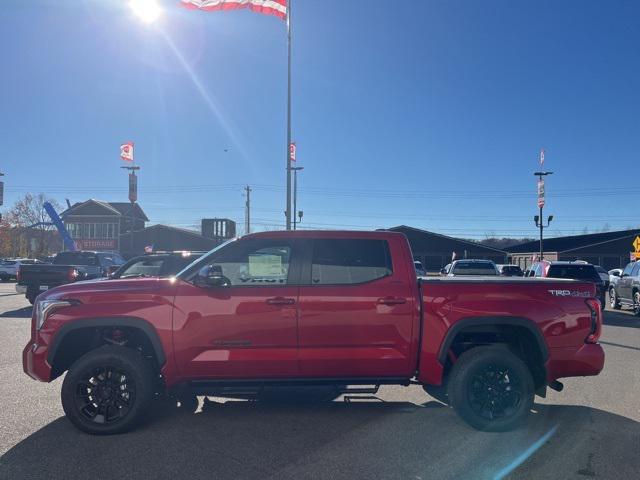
x=491, y=322
x=132, y=322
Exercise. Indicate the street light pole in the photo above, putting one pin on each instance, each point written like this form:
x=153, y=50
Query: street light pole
x=538, y=219
x=133, y=196
x=295, y=194
x=288, y=209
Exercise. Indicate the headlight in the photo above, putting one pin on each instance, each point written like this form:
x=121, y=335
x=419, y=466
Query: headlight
x=45, y=307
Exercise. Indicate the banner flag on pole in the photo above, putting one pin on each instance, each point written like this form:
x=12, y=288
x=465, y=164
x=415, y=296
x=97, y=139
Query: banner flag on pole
x=126, y=152
x=277, y=8
x=541, y=156
x=292, y=151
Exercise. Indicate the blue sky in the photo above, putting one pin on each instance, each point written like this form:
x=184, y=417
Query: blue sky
x=425, y=113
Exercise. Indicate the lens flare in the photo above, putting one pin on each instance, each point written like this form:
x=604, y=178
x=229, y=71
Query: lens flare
x=147, y=10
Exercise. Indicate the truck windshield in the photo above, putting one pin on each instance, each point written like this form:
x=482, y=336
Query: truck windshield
x=75, y=258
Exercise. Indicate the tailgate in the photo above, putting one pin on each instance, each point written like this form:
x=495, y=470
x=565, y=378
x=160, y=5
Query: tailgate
x=44, y=274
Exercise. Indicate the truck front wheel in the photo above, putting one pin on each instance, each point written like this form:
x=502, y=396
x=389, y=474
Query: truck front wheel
x=491, y=388
x=107, y=390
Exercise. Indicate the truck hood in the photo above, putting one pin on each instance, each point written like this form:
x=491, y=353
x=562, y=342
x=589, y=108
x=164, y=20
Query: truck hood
x=91, y=288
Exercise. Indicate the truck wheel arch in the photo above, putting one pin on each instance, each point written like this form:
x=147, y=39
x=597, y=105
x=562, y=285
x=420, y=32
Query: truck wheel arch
x=490, y=322
x=92, y=323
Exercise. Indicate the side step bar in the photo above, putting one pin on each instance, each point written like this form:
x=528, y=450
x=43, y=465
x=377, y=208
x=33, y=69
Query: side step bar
x=255, y=386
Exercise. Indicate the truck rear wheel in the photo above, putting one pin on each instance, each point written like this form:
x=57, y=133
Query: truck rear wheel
x=107, y=390
x=491, y=389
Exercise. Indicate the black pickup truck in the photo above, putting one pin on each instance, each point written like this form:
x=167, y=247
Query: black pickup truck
x=67, y=267
x=626, y=290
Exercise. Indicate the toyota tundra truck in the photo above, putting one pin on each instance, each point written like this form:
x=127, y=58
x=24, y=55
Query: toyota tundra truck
x=311, y=308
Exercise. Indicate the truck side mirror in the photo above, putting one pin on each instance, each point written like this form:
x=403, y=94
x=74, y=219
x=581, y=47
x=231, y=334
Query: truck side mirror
x=616, y=274
x=211, y=276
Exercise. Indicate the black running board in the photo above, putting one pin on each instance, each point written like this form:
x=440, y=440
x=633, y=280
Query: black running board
x=255, y=386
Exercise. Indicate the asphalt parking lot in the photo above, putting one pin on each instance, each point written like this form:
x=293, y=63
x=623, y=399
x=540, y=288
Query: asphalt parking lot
x=590, y=430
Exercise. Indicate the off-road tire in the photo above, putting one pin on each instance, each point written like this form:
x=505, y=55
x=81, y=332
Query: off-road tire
x=468, y=391
x=139, y=377
x=636, y=304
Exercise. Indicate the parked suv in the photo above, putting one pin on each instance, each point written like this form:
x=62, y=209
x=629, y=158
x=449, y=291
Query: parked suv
x=574, y=270
x=626, y=291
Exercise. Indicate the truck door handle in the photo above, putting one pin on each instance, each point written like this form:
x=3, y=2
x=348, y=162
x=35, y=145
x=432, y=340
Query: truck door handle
x=280, y=301
x=391, y=301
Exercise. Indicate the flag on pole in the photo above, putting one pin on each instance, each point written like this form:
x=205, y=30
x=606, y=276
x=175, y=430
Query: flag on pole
x=126, y=152
x=453, y=256
x=292, y=151
x=541, y=156
x=267, y=7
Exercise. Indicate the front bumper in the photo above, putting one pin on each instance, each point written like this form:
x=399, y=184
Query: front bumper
x=582, y=361
x=34, y=362
x=21, y=289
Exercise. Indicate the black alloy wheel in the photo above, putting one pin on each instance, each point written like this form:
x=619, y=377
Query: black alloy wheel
x=108, y=390
x=495, y=392
x=491, y=388
x=636, y=304
x=105, y=394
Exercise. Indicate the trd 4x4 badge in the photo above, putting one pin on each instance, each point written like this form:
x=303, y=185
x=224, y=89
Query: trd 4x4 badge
x=569, y=293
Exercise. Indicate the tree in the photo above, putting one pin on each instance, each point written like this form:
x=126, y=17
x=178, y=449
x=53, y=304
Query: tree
x=26, y=230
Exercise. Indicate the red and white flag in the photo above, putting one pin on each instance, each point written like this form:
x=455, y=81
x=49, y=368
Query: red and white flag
x=267, y=7
x=542, y=156
x=126, y=152
x=292, y=151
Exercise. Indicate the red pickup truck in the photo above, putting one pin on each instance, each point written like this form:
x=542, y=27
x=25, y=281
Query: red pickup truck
x=308, y=308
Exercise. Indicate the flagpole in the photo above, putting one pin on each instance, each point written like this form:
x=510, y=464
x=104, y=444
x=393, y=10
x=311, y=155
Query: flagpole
x=288, y=209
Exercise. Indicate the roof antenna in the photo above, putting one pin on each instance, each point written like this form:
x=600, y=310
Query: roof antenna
x=68, y=203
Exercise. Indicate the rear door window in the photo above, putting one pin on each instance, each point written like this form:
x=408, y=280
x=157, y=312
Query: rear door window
x=349, y=261
x=636, y=270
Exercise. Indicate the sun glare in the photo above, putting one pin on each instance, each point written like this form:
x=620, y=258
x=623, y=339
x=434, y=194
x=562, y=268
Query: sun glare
x=147, y=10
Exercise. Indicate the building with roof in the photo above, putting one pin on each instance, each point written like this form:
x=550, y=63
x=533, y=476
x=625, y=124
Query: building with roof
x=166, y=238
x=607, y=249
x=98, y=225
x=435, y=250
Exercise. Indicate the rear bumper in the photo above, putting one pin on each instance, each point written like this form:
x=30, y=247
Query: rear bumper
x=582, y=361
x=34, y=362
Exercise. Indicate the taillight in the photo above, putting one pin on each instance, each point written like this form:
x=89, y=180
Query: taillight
x=18, y=275
x=596, y=320
x=72, y=274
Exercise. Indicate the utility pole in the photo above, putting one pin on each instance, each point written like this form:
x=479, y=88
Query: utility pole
x=295, y=194
x=133, y=196
x=247, y=211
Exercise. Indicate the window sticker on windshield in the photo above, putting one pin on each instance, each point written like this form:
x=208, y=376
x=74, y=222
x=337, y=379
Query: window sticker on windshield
x=265, y=266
